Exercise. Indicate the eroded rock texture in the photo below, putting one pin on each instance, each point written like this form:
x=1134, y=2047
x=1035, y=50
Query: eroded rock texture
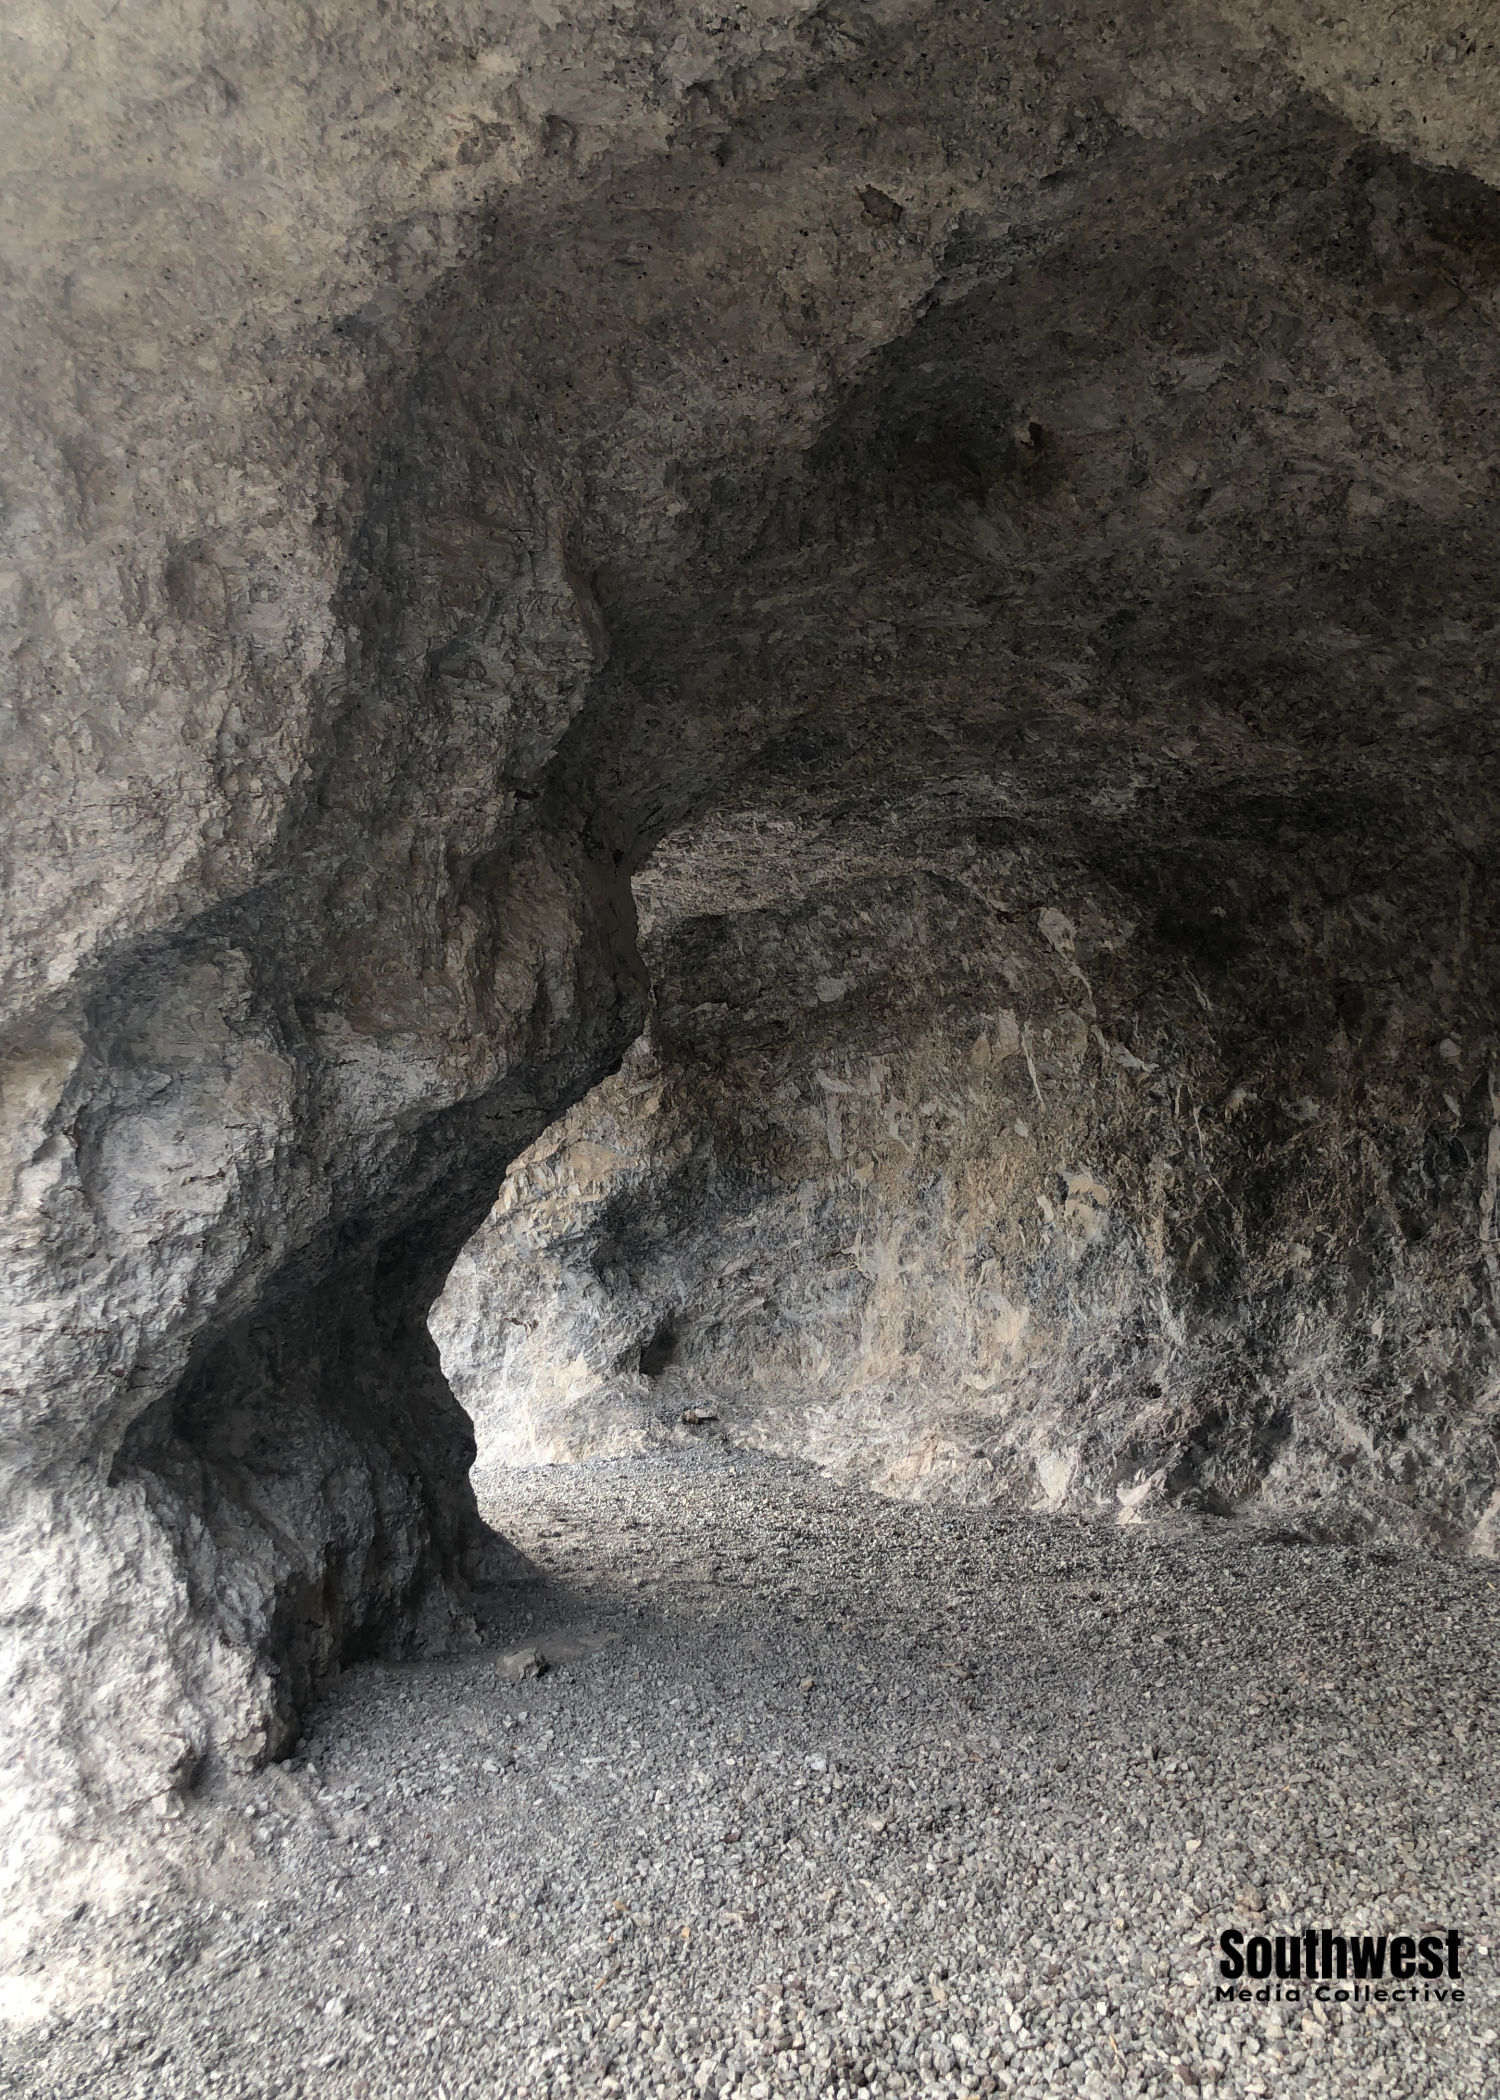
x=1071, y=1074
x=994, y=515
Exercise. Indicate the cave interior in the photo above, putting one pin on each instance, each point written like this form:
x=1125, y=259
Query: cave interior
x=808, y=760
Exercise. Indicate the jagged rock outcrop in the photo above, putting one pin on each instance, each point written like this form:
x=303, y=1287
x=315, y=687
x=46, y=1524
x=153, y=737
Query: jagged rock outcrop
x=451, y=455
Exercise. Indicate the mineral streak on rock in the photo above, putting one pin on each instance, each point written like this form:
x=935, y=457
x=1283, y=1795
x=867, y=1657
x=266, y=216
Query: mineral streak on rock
x=991, y=523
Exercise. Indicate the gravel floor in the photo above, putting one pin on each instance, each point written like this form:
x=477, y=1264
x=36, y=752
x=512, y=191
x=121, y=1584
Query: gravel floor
x=826, y=1795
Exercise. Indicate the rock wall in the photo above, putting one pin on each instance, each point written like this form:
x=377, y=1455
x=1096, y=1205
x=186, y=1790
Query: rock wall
x=1175, y=1201
x=450, y=452
x=1072, y=1068
x=301, y=944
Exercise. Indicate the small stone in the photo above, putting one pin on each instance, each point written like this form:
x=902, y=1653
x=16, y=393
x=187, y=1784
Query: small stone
x=884, y=210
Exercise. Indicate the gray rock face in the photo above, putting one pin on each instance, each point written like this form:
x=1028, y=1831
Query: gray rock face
x=1028, y=1205
x=1071, y=1076
x=899, y=476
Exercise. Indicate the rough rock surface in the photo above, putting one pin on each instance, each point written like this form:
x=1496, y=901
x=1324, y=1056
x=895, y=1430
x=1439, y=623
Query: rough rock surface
x=1072, y=1070
x=449, y=451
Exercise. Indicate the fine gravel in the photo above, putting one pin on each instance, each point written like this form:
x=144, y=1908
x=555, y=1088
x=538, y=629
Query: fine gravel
x=825, y=1794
